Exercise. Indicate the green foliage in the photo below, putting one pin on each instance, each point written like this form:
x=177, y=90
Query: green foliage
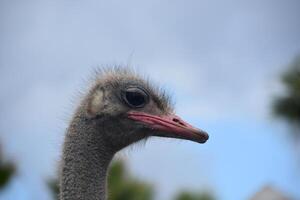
x=6, y=171
x=123, y=187
x=288, y=106
x=194, y=196
x=54, y=187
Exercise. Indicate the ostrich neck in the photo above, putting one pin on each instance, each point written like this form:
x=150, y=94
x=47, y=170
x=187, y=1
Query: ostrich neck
x=86, y=158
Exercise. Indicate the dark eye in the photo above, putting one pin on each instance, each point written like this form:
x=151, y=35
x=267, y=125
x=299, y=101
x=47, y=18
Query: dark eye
x=135, y=97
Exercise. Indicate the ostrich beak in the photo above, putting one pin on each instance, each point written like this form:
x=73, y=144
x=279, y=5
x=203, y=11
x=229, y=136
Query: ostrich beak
x=170, y=126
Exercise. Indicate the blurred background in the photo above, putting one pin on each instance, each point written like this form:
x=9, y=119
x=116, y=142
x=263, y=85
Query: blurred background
x=233, y=67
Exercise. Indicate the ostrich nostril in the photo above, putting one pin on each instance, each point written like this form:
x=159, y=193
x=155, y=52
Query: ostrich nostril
x=178, y=121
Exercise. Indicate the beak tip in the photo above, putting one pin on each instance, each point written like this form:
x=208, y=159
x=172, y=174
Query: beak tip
x=204, y=137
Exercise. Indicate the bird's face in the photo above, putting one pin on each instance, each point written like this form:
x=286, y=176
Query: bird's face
x=133, y=110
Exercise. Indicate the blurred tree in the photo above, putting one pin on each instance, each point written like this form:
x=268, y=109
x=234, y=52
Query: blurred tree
x=54, y=187
x=194, y=196
x=288, y=106
x=6, y=171
x=123, y=187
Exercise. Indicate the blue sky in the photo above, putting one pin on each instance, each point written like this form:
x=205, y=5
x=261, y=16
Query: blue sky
x=220, y=59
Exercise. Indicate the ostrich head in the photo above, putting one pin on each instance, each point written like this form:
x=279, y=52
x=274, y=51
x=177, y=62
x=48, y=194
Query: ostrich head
x=121, y=108
x=131, y=109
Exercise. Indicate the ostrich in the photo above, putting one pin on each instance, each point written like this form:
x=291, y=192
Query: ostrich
x=120, y=109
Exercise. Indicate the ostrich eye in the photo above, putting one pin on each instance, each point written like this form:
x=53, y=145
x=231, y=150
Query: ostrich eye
x=135, y=97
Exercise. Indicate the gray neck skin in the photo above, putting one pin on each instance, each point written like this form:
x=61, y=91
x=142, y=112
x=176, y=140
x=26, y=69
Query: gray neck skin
x=86, y=157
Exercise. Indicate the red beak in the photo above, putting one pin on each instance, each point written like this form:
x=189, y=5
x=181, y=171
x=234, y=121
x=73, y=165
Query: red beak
x=170, y=126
